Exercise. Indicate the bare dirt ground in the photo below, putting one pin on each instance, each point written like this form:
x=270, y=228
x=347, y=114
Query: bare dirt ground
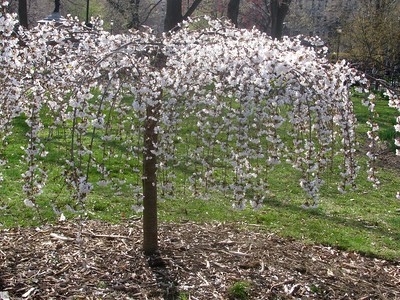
x=103, y=261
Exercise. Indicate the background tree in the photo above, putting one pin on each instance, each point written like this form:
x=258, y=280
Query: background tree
x=128, y=14
x=130, y=10
x=278, y=9
x=174, y=14
x=299, y=20
x=371, y=38
x=57, y=4
x=233, y=11
x=135, y=20
x=267, y=15
x=23, y=13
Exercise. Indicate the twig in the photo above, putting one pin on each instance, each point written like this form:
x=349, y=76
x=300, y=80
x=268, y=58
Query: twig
x=60, y=237
x=27, y=294
x=280, y=283
x=109, y=236
x=235, y=253
x=62, y=270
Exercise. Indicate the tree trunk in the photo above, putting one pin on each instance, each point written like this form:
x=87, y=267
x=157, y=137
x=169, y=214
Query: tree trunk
x=173, y=14
x=233, y=11
x=279, y=10
x=135, y=19
x=23, y=13
x=56, y=6
x=150, y=224
x=191, y=9
x=87, y=14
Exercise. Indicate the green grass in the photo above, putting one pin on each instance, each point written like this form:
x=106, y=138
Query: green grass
x=366, y=220
x=386, y=119
x=239, y=290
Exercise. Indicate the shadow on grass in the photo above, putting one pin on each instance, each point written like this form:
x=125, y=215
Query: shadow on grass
x=363, y=227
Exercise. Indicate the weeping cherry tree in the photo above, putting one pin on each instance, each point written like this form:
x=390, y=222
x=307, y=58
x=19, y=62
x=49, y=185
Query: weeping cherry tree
x=223, y=104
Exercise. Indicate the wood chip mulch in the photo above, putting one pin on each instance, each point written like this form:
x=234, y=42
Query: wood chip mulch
x=102, y=261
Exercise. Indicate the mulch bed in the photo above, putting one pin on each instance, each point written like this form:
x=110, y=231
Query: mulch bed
x=102, y=261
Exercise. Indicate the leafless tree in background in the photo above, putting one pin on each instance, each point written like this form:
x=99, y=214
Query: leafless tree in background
x=279, y=9
x=233, y=11
x=23, y=13
x=174, y=13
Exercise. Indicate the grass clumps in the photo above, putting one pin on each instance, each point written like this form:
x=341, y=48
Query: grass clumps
x=240, y=290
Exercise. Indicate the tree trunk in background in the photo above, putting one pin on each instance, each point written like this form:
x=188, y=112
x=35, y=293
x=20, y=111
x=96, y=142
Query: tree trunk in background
x=135, y=18
x=191, y=9
x=233, y=11
x=56, y=6
x=23, y=13
x=174, y=13
x=279, y=9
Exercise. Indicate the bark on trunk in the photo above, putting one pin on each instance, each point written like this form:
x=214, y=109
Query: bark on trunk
x=191, y=9
x=135, y=18
x=56, y=6
x=233, y=11
x=23, y=13
x=150, y=224
x=173, y=14
x=279, y=10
